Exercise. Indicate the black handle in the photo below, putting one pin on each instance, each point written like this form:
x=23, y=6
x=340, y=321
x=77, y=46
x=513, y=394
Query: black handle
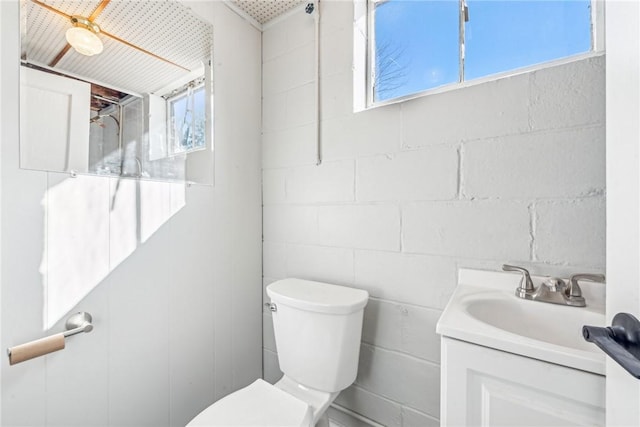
x=621, y=341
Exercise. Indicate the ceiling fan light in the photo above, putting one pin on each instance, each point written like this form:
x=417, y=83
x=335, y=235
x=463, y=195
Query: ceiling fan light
x=82, y=37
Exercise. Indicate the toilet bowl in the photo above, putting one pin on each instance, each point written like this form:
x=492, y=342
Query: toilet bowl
x=317, y=329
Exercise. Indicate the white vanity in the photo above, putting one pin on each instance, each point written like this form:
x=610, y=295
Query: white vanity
x=507, y=361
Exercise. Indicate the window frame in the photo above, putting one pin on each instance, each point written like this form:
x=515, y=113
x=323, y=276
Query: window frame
x=364, y=55
x=177, y=95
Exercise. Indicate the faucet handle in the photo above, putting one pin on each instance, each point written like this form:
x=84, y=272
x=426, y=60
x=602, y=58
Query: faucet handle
x=526, y=280
x=573, y=289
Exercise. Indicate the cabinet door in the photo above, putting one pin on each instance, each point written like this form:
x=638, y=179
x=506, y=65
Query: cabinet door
x=487, y=387
x=54, y=122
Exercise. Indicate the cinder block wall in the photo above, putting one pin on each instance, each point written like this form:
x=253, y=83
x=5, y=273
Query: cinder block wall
x=506, y=171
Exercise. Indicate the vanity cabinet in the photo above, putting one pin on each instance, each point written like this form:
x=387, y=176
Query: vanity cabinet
x=482, y=386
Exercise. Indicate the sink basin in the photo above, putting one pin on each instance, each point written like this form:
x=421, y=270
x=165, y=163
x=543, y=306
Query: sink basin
x=484, y=310
x=553, y=324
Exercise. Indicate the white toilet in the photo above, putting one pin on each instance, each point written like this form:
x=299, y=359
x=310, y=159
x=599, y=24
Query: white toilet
x=317, y=329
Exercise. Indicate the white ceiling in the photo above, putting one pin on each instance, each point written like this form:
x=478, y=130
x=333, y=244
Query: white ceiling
x=264, y=11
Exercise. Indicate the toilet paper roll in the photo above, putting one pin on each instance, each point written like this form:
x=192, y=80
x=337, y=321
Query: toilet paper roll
x=32, y=349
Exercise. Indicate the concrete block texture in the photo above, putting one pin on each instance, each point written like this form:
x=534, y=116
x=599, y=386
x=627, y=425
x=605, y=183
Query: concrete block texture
x=274, y=42
x=402, y=327
x=568, y=95
x=328, y=182
x=274, y=186
x=324, y=264
x=290, y=224
x=413, y=418
x=423, y=280
x=332, y=90
x=274, y=260
x=360, y=226
x=495, y=108
x=400, y=378
x=300, y=106
x=427, y=174
x=289, y=147
x=274, y=107
x=366, y=133
x=342, y=419
x=333, y=56
x=556, y=164
x=467, y=229
x=289, y=35
x=571, y=232
x=337, y=15
x=377, y=408
x=289, y=70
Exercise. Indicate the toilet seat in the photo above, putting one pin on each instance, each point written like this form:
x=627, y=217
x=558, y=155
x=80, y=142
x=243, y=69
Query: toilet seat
x=260, y=404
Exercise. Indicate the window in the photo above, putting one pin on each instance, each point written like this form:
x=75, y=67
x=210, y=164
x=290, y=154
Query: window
x=419, y=45
x=187, y=119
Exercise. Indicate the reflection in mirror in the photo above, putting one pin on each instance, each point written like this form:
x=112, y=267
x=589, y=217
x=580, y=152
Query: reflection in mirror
x=116, y=88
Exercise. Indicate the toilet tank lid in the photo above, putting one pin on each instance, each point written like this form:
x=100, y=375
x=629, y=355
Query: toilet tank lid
x=317, y=296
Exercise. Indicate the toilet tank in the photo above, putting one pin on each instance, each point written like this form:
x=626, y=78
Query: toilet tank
x=318, y=329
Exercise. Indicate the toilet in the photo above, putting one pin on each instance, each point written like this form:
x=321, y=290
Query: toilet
x=317, y=329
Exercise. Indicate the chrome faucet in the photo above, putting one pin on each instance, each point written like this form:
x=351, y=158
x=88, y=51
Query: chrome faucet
x=553, y=290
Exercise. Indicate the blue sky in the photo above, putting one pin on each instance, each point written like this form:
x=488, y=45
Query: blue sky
x=419, y=39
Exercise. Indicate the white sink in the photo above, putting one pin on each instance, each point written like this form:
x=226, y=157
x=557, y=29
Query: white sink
x=484, y=310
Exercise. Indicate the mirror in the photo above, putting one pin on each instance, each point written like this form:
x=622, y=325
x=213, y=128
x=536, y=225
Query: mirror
x=116, y=88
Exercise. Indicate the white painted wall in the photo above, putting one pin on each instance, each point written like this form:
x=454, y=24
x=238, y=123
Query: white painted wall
x=506, y=171
x=2, y=49
x=623, y=199
x=177, y=321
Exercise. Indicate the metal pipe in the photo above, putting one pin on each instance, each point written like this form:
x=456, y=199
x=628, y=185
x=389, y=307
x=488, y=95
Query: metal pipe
x=96, y=119
x=120, y=148
x=311, y=8
x=102, y=98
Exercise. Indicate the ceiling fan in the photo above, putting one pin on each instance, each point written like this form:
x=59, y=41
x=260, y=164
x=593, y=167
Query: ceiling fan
x=83, y=35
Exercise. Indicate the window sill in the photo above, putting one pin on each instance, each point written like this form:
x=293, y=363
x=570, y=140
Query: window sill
x=479, y=81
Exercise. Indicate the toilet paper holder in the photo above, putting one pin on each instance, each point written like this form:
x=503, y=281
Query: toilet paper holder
x=75, y=324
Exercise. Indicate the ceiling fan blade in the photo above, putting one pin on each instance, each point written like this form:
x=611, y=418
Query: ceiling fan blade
x=116, y=38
